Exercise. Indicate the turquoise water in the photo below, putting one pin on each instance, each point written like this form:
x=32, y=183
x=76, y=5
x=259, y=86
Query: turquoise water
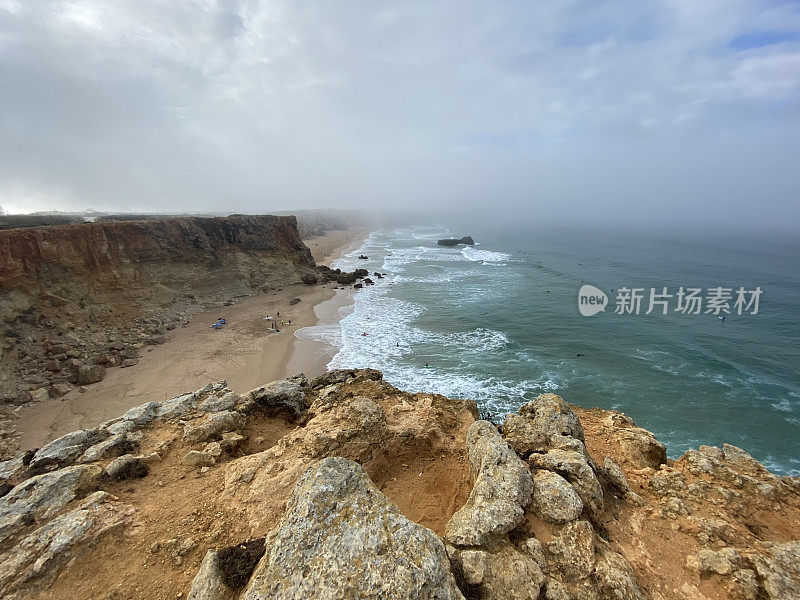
x=483, y=320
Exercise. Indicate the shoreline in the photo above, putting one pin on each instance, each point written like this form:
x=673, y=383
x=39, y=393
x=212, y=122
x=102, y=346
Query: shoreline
x=246, y=353
x=311, y=357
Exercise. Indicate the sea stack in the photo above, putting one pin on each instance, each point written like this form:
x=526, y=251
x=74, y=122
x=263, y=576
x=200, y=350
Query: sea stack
x=466, y=240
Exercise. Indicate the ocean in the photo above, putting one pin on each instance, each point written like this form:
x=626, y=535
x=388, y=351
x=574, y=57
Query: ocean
x=500, y=322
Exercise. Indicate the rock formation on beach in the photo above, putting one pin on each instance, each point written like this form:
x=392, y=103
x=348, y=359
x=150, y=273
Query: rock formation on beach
x=466, y=240
x=346, y=487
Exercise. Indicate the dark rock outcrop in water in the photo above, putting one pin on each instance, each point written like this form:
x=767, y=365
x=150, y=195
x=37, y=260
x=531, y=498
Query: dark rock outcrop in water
x=466, y=240
x=341, y=277
x=345, y=486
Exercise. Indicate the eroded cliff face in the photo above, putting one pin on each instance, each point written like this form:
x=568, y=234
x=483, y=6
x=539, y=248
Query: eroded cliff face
x=77, y=298
x=345, y=486
x=96, y=263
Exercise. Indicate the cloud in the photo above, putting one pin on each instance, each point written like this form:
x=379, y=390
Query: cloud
x=256, y=106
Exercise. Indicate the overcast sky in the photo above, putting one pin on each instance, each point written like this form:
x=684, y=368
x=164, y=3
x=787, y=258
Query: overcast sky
x=673, y=110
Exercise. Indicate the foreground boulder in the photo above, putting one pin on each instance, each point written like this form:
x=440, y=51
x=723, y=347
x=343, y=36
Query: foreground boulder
x=502, y=489
x=342, y=538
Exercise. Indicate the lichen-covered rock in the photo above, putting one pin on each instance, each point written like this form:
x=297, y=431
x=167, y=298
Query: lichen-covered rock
x=216, y=403
x=732, y=466
x=574, y=467
x=667, y=483
x=120, y=426
x=502, y=573
x=721, y=562
x=198, y=459
x=779, y=570
x=127, y=466
x=345, y=376
x=11, y=467
x=43, y=496
x=615, y=476
x=142, y=415
x=544, y=423
x=555, y=590
x=116, y=445
x=209, y=583
x=360, y=422
x=474, y=566
x=36, y=559
x=65, y=450
x=342, y=538
x=615, y=578
x=285, y=394
x=571, y=550
x=503, y=487
x=213, y=426
x=554, y=499
x=741, y=461
x=743, y=585
x=641, y=447
x=212, y=397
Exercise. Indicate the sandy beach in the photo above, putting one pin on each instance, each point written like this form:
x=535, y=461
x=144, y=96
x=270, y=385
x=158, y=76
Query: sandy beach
x=246, y=352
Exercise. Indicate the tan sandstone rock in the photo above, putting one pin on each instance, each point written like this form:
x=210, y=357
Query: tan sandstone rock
x=503, y=487
x=340, y=538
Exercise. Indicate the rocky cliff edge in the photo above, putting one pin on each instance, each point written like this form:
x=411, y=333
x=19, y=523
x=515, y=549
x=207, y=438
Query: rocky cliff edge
x=346, y=487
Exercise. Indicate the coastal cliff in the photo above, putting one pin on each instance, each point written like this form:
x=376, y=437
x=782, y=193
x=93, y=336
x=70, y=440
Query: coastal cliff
x=103, y=260
x=345, y=486
x=77, y=299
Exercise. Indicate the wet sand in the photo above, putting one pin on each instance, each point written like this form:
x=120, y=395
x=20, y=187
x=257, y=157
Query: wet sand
x=311, y=356
x=246, y=352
